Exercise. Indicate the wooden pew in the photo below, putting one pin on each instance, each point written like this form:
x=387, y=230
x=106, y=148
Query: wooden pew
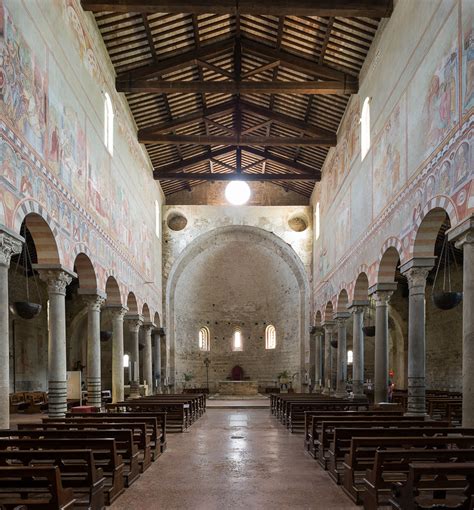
x=436, y=485
x=341, y=442
x=323, y=426
x=124, y=438
x=139, y=429
x=156, y=429
x=177, y=413
x=77, y=468
x=295, y=410
x=35, y=487
x=362, y=453
x=105, y=454
x=311, y=418
x=392, y=466
x=197, y=403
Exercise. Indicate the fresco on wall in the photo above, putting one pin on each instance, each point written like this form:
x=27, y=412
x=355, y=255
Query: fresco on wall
x=23, y=84
x=468, y=54
x=389, y=166
x=361, y=200
x=351, y=126
x=434, y=96
x=66, y=152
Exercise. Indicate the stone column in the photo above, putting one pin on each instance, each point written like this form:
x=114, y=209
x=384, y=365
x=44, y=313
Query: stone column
x=10, y=244
x=382, y=297
x=157, y=361
x=117, y=312
x=328, y=332
x=94, y=386
x=416, y=272
x=357, y=350
x=318, y=359
x=341, y=364
x=148, y=358
x=57, y=279
x=463, y=235
x=135, y=321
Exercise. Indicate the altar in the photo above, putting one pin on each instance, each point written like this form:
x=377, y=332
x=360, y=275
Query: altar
x=238, y=387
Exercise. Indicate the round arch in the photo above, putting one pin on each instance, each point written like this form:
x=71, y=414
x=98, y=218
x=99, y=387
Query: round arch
x=388, y=265
x=427, y=232
x=146, y=313
x=328, y=312
x=85, y=271
x=43, y=233
x=112, y=290
x=361, y=288
x=255, y=236
x=342, y=301
x=132, y=304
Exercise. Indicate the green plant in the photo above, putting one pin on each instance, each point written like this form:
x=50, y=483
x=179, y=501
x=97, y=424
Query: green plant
x=283, y=375
x=188, y=377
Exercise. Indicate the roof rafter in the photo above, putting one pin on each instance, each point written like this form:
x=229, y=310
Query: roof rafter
x=261, y=141
x=241, y=176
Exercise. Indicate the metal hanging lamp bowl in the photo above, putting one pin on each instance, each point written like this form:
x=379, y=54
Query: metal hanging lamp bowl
x=105, y=336
x=369, y=330
x=25, y=309
x=446, y=300
x=334, y=344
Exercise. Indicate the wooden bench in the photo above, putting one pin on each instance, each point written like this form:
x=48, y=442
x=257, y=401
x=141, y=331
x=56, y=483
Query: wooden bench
x=392, y=466
x=126, y=446
x=321, y=435
x=311, y=418
x=177, y=413
x=139, y=429
x=341, y=443
x=105, y=454
x=436, y=486
x=363, y=450
x=34, y=487
x=77, y=468
x=156, y=425
x=295, y=412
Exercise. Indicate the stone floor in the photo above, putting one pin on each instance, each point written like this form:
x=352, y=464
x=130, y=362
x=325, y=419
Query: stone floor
x=233, y=459
x=237, y=403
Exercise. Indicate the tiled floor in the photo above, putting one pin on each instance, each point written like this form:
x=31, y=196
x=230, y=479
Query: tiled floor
x=234, y=459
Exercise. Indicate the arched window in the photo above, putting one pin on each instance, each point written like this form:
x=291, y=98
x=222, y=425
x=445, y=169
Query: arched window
x=126, y=361
x=270, y=337
x=204, y=339
x=350, y=357
x=108, y=123
x=317, y=222
x=365, y=129
x=237, y=340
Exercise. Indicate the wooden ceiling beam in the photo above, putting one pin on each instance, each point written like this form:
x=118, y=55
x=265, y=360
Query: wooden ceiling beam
x=194, y=176
x=186, y=120
x=285, y=120
x=176, y=62
x=243, y=87
x=189, y=162
x=292, y=61
x=342, y=8
x=260, y=141
x=284, y=162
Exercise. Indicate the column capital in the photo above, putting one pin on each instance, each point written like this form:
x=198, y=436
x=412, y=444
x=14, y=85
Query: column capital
x=328, y=325
x=416, y=277
x=382, y=297
x=94, y=301
x=10, y=244
x=358, y=304
x=149, y=326
x=56, y=277
x=341, y=317
x=463, y=233
x=359, y=308
x=134, y=322
x=115, y=311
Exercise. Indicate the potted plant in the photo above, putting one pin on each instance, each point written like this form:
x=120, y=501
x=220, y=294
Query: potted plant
x=284, y=377
x=187, y=378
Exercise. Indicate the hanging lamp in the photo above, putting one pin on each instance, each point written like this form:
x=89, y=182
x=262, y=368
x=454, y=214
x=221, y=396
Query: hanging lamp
x=445, y=299
x=26, y=309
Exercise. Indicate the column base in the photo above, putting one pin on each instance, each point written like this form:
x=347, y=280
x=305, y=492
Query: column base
x=57, y=399
x=340, y=394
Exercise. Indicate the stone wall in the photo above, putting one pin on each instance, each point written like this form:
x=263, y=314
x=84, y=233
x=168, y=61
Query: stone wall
x=253, y=284
x=213, y=193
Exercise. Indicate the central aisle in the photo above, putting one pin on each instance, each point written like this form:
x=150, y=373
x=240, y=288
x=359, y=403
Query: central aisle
x=234, y=459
